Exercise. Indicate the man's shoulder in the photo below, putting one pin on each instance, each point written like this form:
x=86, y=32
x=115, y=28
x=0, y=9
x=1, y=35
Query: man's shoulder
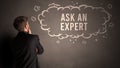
x=23, y=35
x=32, y=36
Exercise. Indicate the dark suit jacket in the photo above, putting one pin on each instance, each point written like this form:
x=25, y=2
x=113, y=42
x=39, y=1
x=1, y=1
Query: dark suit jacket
x=24, y=50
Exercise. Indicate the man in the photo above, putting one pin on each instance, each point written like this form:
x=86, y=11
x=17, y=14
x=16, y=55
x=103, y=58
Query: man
x=25, y=45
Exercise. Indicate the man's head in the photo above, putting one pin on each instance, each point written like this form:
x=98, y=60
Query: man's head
x=21, y=23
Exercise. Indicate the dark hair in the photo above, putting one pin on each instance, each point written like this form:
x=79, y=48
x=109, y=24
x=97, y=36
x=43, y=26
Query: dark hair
x=20, y=22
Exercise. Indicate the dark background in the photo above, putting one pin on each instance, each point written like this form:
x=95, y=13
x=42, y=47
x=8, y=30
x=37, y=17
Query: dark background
x=102, y=54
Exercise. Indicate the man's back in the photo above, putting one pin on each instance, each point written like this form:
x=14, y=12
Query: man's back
x=24, y=50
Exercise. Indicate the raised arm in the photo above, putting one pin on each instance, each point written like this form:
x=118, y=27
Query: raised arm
x=39, y=48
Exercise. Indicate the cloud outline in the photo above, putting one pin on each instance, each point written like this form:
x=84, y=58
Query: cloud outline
x=64, y=36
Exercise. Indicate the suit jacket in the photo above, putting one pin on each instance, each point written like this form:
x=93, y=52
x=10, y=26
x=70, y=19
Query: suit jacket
x=25, y=48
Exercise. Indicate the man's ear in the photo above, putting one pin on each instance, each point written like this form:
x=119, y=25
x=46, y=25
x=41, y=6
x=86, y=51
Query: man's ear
x=25, y=28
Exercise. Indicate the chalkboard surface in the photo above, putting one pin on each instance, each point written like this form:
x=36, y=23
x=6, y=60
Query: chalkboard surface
x=74, y=33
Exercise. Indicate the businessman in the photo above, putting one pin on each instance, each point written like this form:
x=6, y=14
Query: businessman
x=25, y=46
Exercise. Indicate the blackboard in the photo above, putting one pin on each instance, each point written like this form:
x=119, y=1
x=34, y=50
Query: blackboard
x=98, y=20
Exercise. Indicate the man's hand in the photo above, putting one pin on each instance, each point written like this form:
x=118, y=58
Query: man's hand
x=29, y=31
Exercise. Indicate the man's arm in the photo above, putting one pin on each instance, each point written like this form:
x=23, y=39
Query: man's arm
x=39, y=48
